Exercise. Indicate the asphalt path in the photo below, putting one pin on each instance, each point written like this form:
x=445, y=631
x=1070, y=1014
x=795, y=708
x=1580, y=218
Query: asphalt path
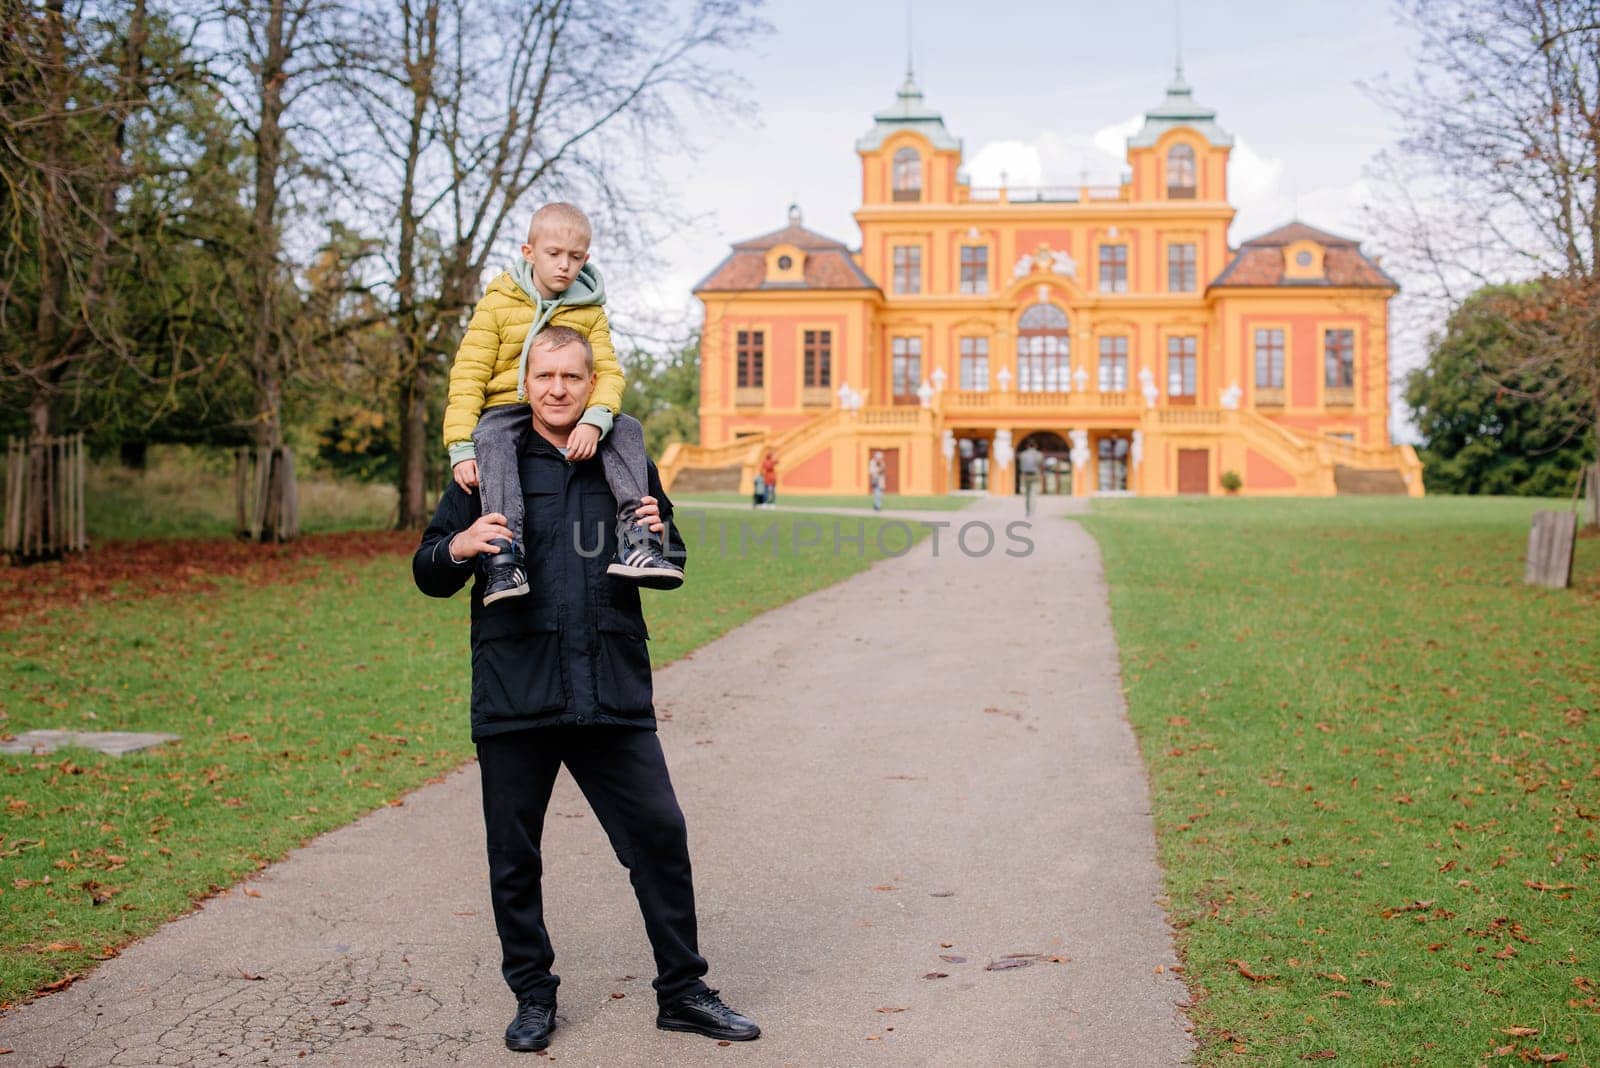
x=920, y=831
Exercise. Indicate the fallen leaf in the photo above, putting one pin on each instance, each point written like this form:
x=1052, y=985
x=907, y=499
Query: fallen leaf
x=62, y=947
x=1058, y=960
x=1245, y=971
x=942, y=893
x=339, y=1001
x=252, y=976
x=1519, y=1032
x=251, y=892
x=890, y=1008
x=60, y=984
x=952, y=958
x=886, y=886
x=1546, y=887
x=618, y=995
x=1319, y=1055
x=937, y=975
x=1548, y=1058
x=1007, y=962
x=946, y=945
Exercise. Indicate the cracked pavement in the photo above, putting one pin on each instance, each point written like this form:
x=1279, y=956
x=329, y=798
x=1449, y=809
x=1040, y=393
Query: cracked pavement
x=890, y=785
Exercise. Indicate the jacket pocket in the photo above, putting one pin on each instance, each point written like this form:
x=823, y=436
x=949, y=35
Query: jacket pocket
x=517, y=670
x=624, y=664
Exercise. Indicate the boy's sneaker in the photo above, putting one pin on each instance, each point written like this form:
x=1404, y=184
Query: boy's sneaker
x=503, y=577
x=641, y=559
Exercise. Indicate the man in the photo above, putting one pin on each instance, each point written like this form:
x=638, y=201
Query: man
x=563, y=677
x=1028, y=466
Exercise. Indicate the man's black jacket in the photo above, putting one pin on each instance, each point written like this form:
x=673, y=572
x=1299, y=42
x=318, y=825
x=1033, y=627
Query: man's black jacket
x=572, y=651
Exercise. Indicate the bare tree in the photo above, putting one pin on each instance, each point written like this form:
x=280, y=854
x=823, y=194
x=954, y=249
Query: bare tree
x=276, y=58
x=1497, y=178
x=479, y=105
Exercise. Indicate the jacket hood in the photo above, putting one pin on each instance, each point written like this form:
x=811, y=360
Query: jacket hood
x=586, y=289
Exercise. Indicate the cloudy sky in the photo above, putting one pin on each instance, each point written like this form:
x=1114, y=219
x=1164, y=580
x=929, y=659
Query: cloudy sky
x=1045, y=91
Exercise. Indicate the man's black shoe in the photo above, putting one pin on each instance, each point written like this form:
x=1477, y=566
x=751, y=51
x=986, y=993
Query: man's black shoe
x=641, y=559
x=530, y=1029
x=705, y=1014
x=503, y=577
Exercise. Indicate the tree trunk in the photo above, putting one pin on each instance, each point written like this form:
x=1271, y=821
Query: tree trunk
x=40, y=422
x=274, y=489
x=414, y=449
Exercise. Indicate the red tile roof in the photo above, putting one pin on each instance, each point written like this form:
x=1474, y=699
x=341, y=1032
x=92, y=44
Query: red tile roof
x=1259, y=261
x=828, y=264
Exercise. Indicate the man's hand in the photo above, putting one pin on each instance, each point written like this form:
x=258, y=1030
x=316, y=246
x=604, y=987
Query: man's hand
x=649, y=513
x=466, y=475
x=480, y=537
x=582, y=441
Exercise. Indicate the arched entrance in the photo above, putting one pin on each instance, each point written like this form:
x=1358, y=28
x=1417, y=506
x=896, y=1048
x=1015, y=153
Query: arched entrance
x=1056, y=467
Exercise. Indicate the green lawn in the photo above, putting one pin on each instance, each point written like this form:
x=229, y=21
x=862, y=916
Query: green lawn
x=892, y=502
x=189, y=493
x=1375, y=762
x=300, y=706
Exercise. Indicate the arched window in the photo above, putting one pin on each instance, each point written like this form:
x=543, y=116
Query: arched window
x=907, y=175
x=1044, y=350
x=1180, y=173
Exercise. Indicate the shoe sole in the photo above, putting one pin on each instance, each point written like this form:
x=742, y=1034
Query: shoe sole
x=500, y=595
x=708, y=1032
x=654, y=578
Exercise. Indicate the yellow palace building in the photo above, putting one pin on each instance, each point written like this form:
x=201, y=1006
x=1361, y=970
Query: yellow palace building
x=1112, y=327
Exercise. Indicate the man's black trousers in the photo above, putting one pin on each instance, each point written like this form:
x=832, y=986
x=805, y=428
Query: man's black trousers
x=623, y=774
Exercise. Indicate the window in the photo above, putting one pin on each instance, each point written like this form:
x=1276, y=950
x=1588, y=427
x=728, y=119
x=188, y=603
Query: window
x=908, y=269
x=974, y=268
x=1113, y=268
x=1113, y=364
x=1269, y=359
x=1180, y=173
x=1180, y=268
x=1043, y=350
x=1339, y=352
x=907, y=175
x=907, y=369
x=818, y=349
x=785, y=262
x=1113, y=465
x=751, y=351
x=974, y=363
x=1181, y=369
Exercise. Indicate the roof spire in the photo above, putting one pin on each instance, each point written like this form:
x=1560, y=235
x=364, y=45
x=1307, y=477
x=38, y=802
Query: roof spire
x=910, y=87
x=1177, y=30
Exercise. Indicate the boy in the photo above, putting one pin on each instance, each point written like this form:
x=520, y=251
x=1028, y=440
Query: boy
x=487, y=416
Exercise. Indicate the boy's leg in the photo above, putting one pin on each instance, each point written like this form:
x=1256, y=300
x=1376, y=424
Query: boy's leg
x=622, y=453
x=498, y=440
x=641, y=554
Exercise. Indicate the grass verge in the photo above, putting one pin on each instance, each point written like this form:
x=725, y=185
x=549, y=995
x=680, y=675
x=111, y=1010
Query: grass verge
x=301, y=705
x=1375, y=765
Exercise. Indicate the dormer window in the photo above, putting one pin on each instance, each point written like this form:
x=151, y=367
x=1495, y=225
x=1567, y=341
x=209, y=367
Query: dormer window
x=907, y=174
x=1180, y=173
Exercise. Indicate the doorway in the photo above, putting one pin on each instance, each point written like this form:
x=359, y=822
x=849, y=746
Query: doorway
x=1055, y=474
x=891, y=468
x=1194, y=471
x=972, y=461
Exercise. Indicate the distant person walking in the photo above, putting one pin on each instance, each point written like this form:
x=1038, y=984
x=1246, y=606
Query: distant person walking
x=769, y=476
x=877, y=478
x=1029, y=461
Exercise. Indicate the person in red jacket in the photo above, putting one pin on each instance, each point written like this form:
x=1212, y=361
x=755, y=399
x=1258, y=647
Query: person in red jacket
x=769, y=476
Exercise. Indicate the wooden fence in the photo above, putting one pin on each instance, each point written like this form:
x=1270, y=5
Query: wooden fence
x=44, y=498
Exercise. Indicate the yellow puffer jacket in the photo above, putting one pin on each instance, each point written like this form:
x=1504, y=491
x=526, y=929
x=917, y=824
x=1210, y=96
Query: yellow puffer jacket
x=484, y=374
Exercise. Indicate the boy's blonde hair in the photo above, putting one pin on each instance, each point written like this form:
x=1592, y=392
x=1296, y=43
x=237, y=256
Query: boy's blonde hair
x=559, y=213
x=553, y=338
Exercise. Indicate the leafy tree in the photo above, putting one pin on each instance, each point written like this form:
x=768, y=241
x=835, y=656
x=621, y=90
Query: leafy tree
x=1492, y=422
x=664, y=394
